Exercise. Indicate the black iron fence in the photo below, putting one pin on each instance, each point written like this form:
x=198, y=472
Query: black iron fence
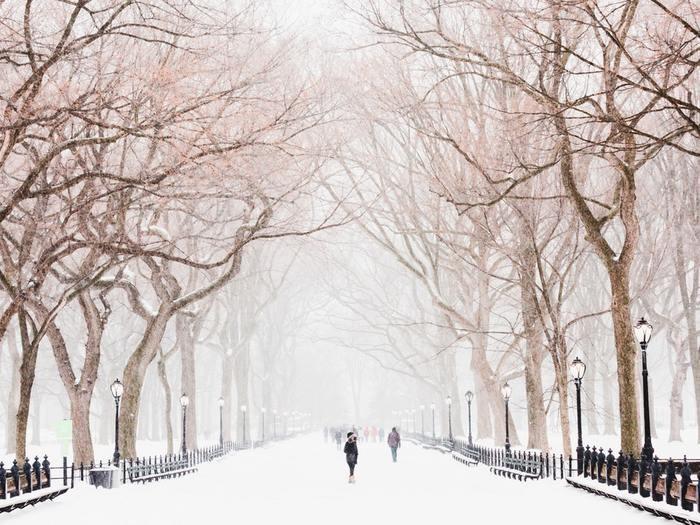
x=634, y=480
x=28, y=483
x=516, y=464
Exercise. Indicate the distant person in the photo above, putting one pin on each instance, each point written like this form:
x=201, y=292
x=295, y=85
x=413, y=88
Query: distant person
x=394, y=441
x=381, y=435
x=373, y=432
x=366, y=434
x=351, y=454
x=338, y=438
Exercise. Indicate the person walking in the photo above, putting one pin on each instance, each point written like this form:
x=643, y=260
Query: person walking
x=351, y=454
x=338, y=438
x=394, y=441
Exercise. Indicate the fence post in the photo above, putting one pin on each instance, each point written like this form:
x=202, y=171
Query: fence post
x=570, y=465
x=609, y=463
x=47, y=470
x=65, y=471
x=686, y=481
x=36, y=468
x=631, y=467
x=27, y=471
x=670, y=478
x=620, y=467
x=643, y=469
x=655, y=475
x=124, y=472
x=561, y=466
x=82, y=471
x=3, y=481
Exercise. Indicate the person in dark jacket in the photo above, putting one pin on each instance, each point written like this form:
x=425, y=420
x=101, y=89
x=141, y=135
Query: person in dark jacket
x=351, y=454
x=394, y=441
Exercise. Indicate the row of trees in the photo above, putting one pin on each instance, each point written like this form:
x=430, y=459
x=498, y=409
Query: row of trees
x=533, y=169
x=144, y=146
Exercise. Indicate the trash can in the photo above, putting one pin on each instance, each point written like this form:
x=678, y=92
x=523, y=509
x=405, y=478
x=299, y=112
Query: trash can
x=107, y=477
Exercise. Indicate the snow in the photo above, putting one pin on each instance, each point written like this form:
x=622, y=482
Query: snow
x=304, y=480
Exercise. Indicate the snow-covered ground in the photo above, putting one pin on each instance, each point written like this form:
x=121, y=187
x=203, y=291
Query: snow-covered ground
x=304, y=480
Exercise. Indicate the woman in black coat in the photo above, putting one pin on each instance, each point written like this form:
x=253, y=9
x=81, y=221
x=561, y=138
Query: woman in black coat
x=351, y=454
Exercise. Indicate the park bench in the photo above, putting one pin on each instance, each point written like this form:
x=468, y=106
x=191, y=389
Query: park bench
x=520, y=468
x=26, y=485
x=141, y=471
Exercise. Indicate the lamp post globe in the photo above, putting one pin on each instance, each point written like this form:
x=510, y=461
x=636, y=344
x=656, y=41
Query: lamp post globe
x=469, y=395
x=506, y=392
x=643, y=331
x=117, y=389
x=578, y=370
x=184, y=401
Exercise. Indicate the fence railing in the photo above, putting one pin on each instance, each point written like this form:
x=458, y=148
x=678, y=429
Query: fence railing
x=533, y=464
x=669, y=483
x=27, y=483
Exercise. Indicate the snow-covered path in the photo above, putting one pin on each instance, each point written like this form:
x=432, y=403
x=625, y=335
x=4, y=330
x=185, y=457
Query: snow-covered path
x=305, y=481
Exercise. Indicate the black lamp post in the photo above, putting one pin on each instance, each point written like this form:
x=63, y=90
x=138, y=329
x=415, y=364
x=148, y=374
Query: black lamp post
x=506, y=391
x=432, y=408
x=422, y=421
x=244, y=409
x=643, y=332
x=578, y=370
x=469, y=395
x=221, y=421
x=262, y=414
x=184, y=401
x=117, y=389
x=449, y=415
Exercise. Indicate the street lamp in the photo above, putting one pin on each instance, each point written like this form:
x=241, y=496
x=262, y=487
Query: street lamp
x=432, y=407
x=578, y=370
x=469, y=395
x=117, y=390
x=184, y=401
x=413, y=419
x=643, y=332
x=449, y=415
x=221, y=421
x=244, y=409
x=422, y=422
x=506, y=391
x=262, y=413
x=286, y=420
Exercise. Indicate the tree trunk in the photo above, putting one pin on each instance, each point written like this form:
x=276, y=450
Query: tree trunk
x=168, y=402
x=227, y=394
x=242, y=371
x=13, y=391
x=591, y=382
x=626, y=357
x=676, y=399
x=30, y=350
x=133, y=378
x=185, y=342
